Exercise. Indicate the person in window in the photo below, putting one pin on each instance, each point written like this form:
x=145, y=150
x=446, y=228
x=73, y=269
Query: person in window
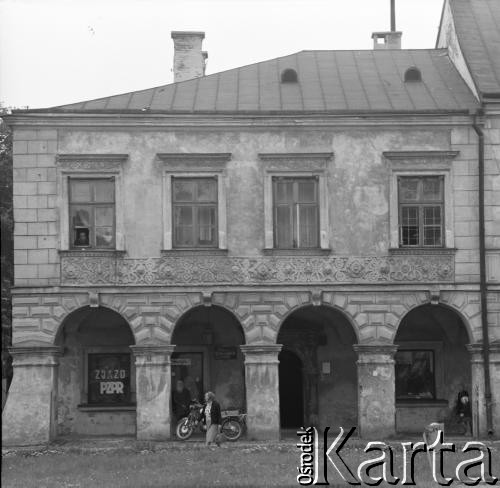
x=213, y=419
x=82, y=237
x=181, y=399
x=464, y=411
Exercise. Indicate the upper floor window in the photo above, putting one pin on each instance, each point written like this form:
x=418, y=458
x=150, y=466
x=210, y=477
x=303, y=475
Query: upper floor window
x=92, y=213
x=296, y=212
x=421, y=211
x=194, y=207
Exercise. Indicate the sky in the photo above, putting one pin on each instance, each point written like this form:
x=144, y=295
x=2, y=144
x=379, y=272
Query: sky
x=54, y=52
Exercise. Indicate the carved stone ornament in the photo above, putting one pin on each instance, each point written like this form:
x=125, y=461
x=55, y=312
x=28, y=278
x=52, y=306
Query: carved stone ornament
x=216, y=270
x=91, y=162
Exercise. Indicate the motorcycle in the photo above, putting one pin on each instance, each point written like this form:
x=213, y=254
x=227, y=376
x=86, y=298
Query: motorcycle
x=232, y=427
x=233, y=424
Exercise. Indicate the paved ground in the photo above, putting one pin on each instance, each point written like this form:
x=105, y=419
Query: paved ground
x=125, y=462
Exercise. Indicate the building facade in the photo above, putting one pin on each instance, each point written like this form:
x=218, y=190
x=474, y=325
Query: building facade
x=302, y=236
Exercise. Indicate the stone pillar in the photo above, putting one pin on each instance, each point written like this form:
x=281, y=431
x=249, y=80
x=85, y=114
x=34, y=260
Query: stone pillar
x=30, y=414
x=153, y=387
x=262, y=391
x=478, y=399
x=495, y=386
x=376, y=390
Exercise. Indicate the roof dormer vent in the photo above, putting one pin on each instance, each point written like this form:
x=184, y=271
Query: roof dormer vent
x=413, y=74
x=289, y=76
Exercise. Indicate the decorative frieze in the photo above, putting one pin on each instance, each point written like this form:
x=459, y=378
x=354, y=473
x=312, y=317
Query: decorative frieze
x=91, y=162
x=217, y=270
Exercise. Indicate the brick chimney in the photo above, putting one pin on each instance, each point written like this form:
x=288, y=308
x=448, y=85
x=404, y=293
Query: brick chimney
x=189, y=59
x=387, y=40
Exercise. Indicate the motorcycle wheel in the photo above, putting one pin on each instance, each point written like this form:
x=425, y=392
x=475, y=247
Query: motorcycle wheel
x=184, y=429
x=231, y=429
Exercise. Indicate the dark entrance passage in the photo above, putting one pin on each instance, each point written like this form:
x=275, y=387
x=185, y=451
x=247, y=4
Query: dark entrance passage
x=291, y=390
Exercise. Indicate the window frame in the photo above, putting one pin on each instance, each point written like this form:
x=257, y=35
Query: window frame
x=84, y=390
x=420, y=205
x=295, y=204
x=436, y=347
x=94, y=205
x=421, y=163
x=296, y=165
x=195, y=205
x=90, y=166
x=194, y=165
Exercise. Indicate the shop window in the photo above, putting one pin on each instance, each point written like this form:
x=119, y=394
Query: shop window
x=194, y=206
x=415, y=374
x=109, y=379
x=296, y=212
x=421, y=211
x=92, y=213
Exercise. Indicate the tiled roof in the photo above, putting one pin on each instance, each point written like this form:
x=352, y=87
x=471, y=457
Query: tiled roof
x=328, y=81
x=477, y=23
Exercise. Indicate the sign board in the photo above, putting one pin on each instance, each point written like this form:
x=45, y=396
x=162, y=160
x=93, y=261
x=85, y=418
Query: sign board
x=180, y=361
x=225, y=352
x=109, y=378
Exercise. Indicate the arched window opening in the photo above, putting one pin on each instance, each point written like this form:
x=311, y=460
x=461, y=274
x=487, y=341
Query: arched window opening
x=289, y=76
x=413, y=74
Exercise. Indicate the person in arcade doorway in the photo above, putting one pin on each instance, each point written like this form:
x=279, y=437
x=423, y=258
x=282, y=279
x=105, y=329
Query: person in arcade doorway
x=213, y=419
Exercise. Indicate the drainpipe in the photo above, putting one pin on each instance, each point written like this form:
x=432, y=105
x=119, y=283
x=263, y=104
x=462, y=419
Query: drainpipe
x=482, y=275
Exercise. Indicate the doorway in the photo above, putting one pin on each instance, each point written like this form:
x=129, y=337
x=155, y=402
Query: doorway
x=291, y=390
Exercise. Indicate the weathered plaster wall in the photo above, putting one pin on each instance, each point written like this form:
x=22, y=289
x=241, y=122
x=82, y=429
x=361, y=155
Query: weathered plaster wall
x=358, y=179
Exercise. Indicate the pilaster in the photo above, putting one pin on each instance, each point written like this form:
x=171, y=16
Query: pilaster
x=478, y=398
x=29, y=416
x=376, y=390
x=262, y=390
x=153, y=388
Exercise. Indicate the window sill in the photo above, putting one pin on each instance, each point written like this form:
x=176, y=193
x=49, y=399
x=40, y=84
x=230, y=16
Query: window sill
x=92, y=252
x=85, y=407
x=421, y=402
x=195, y=251
x=422, y=250
x=297, y=252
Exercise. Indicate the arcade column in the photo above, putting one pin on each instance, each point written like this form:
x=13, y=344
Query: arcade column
x=478, y=397
x=30, y=414
x=262, y=391
x=153, y=387
x=376, y=390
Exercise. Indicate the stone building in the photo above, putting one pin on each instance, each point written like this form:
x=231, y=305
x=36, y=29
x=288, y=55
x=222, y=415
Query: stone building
x=315, y=238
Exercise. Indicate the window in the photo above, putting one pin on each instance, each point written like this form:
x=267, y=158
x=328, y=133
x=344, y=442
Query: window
x=92, y=213
x=296, y=213
x=421, y=211
x=415, y=374
x=289, y=76
x=413, y=74
x=194, y=206
x=108, y=378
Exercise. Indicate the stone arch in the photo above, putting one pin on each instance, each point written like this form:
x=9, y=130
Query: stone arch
x=72, y=313
x=342, y=311
x=186, y=312
x=432, y=362
x=208, y=355
x=473, y=333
